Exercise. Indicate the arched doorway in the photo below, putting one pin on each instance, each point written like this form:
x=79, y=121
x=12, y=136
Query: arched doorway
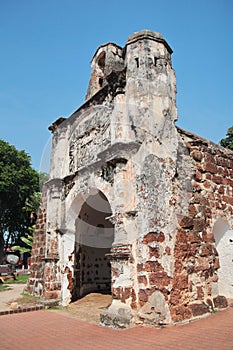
x=93, y=240
x=224, y=245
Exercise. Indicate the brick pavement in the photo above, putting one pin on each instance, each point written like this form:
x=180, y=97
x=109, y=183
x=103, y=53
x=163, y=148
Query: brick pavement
x=42, y=330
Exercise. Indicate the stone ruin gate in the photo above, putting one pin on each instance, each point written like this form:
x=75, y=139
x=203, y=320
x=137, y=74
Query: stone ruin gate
x=135, y=205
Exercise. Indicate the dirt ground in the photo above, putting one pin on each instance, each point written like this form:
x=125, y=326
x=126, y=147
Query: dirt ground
x=86, y=309
x=9, y=295
x=89, y=307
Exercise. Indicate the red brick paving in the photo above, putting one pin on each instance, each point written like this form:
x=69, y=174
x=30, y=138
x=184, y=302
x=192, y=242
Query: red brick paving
x=42, y=330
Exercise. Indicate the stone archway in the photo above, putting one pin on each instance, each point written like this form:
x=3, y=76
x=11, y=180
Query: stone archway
x=224, y=245
x=94, y=235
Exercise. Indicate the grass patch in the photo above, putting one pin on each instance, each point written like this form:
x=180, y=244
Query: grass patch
x=4, y=287
x=55, y=308
x=27, y=299
x=20, y=279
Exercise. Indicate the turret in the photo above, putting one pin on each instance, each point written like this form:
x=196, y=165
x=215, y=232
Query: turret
x=107, y=58
x=150, y=85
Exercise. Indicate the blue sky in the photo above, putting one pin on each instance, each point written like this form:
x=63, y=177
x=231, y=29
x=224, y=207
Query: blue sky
x=47, y=45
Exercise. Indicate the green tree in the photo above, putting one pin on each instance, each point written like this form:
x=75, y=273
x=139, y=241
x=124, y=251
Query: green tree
x=227, y=142
x=31, y=206
x=27, y=242
x=43, y=177
x=18, y=184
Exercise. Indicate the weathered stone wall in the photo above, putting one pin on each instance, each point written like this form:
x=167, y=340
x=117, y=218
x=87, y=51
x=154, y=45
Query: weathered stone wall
x=35, y=285
x=177, y=271
x=207, y=171
x=129, y=190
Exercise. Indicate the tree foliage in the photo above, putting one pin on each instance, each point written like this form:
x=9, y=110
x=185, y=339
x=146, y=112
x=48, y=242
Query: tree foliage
x=19, y=183
x=43, y=177
x=227, y=142
x=27, y=242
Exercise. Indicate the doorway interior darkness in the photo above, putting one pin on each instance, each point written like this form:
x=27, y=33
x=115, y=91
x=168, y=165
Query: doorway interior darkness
x=93, y=240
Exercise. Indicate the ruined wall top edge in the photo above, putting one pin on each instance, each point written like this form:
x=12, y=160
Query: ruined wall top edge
x=148, y=34
x=103, y=46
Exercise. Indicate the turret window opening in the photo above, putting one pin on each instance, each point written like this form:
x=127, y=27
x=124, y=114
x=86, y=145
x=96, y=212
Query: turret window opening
x=101, y=60
x=137, y=62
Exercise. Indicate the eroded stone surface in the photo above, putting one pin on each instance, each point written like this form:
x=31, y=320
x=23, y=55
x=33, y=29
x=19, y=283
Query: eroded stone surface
x=135, y=204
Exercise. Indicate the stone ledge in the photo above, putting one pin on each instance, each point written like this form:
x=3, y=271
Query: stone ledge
x=120, y=252
x=49, y=258
x=148, y=34
x=47, y=303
